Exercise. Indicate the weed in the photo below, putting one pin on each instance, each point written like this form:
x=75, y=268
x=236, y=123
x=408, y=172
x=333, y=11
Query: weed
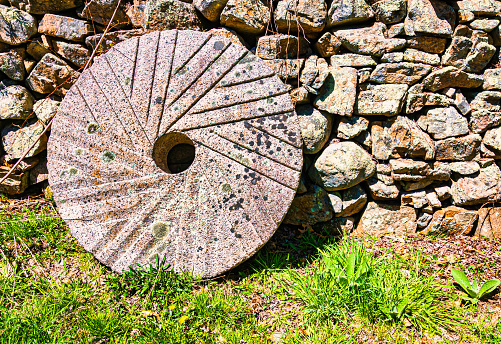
x=473, y=291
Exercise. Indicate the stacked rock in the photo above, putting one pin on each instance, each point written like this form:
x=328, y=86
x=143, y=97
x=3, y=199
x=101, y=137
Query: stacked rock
x=399, y=101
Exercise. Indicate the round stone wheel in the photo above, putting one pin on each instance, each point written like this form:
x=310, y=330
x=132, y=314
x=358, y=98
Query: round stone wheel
x=179, y=145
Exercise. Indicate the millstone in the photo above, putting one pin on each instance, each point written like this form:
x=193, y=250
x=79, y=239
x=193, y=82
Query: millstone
x=177, y=145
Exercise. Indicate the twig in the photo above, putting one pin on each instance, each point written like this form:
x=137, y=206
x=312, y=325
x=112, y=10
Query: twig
x=52, y=119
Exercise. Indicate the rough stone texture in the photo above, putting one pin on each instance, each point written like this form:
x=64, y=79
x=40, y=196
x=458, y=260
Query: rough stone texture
x=17, y=140
x=478, y=188
x=417, y=99
x=16, y=102
x=400, y=138
x=15, y=184
x=310, y=208
x=11, y=64
x=386, y=100
x=492, y=79
x=171, y=14
x=400, y=73
x=492, y=139
x=385, y=219
x=349, y=127
x=486, y=111
x=310, y=15
x=16, y=27
x=327, y=45
x=489, y=222
x=343, y=12
x=442, y=123
x=451, y=77
x=486, y=25
x=39, y=173
x=390, y=11
x=339, y=93
x=354, y=200
x=108, y=154
x=315, y=128
x=341, y=166
x=64, y=27
x=314, y=74
x=75, y=53
x=286, y=69
x=110, y=39
x=45, y=109
x=464, y=167
x=417, y=56
x=429, y=44
x=246, y=16
x=380, y=191
x=46, y=6
x=369, y=41
x=453, y=221
x=38, y=47
x=101, y=11
x=230, y=34
x=481, y=7
x=429, y=17
x=458, y=149
x=392, y=57
x=280, y=46
x=210, y=9
x=353, y=60
x=50, y=73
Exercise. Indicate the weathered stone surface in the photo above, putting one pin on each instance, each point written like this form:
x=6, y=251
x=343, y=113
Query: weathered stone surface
x=46, y=6
x=400, y=73
x=486, y=25
x=246, y=16
x=171, y=14
x=39, y=46
x=315, y=72
x=479, y=57
x=396, y=30
x=310, y=208
x=451, y=77
x=64, y=27
x=300, y=96
x=309, y=15
x=392, y=57
x=390, y=11
x=489, y=222
x=286, y=69
x=101, y=11
x=481, y=7
x=15, y=184
x=492, y=79
x=45, y=109
x=315, y=128
x=341, y=166
x=348, y=11
x=39, y=173
x=349, y=127
x=457, y=52
x=417, y=99
x=117, y=159
x=417, y=56
x=280, y=46
x=352, y=60
x=464, y=167
x=492, y=139
x=486, y=111
x=465, y=16
x=383, y=100
x=137, y=13
x=458, y=149
x=453, y=221
x=423, y=220
x=230, y=34
x=353, y=201
x=382, y=192
x=444, y=122
x=408, y=167
x=110, y=39
x=327, y=45
x=16, y=27
x=75, y=53
x=16, y=102
x=429, y=44
x=11, y=64
x=462, y=103
x=369, y=41
x=339, y=92
x=429, y=17
x=416, y=199
x=210, y=9
x=50, y=73
x=399, y=138
x=385, y=219
x=17, y=140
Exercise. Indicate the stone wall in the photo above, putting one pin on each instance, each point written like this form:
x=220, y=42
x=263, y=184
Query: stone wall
x=399, y=101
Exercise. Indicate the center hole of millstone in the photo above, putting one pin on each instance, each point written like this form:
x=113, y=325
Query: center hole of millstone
x=174, y=152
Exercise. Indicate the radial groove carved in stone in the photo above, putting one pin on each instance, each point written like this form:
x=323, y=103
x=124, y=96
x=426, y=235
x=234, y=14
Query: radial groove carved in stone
x=178, y=144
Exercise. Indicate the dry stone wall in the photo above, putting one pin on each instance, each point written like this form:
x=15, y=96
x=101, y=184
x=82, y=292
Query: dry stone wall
x=399, y=101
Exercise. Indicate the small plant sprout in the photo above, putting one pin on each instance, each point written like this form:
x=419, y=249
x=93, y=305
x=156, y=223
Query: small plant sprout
x=474, y=292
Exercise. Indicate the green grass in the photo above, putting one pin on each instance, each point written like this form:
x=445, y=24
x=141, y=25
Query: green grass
x=52, y=291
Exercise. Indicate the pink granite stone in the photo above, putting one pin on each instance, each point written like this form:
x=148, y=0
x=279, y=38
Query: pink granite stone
x=179, y=144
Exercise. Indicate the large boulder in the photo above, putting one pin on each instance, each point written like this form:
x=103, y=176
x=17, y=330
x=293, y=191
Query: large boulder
x=341, y=166
x=386, y=219
x=16, y=27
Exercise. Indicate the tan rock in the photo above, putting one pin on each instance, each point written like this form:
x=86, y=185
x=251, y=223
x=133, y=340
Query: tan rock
x=429, y=17
x=451, y=77
x=65, y=27
x=308, y=16
x=429, y=44
x=280, y=46
x=171, y=14
x=489, y=222
x=384, y=219
x=339, y=92
x=452, y=221
x=478, y=188
x=327, y=45
x=458, y=149
x=400, y=73
x=230, y=34
x=246, y=16
x=16, y=27
x=52, y=74
x=348, y=11
x=386, y=100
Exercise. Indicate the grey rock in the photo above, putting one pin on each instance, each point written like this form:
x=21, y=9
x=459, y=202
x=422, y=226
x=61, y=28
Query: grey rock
x=210, y=9
x=101, y=12
x=327, y=45
x=338, y=94
x=400, y=73
x=171, y=14
x=16, y=102
x=451, y=77
x=300, y=96
x=45, y=109
x=390, y=11
x=110, y=39
x=353, y=60
x=301, y=16
x=341, y=166
x=17, y=140
x=16, y=27
x=464, y=167
x=350, y=127
x=479, y=57
x=75, y=53
x=417, y=56
x=386, y=100
x=39, y=173
x=444, y=122
x=286, y=69
x=11, y=64
x=458, y=149
x=64, y=27
x=354, y=200
x=45, y=6
x=486, y=25
x=385, y=219
x=429, y=17
x=380, y=191
x=310, y=208
x=478, y=188
x=492, y=139
x=15, y=184
x=246, y=16
x=416, y=199
x=315, y=128
x=481, y=7
x=423, y=220
x=392, y=57
x=280, y=46
x=492, y=79
x=348, y=11
x=51, y=74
